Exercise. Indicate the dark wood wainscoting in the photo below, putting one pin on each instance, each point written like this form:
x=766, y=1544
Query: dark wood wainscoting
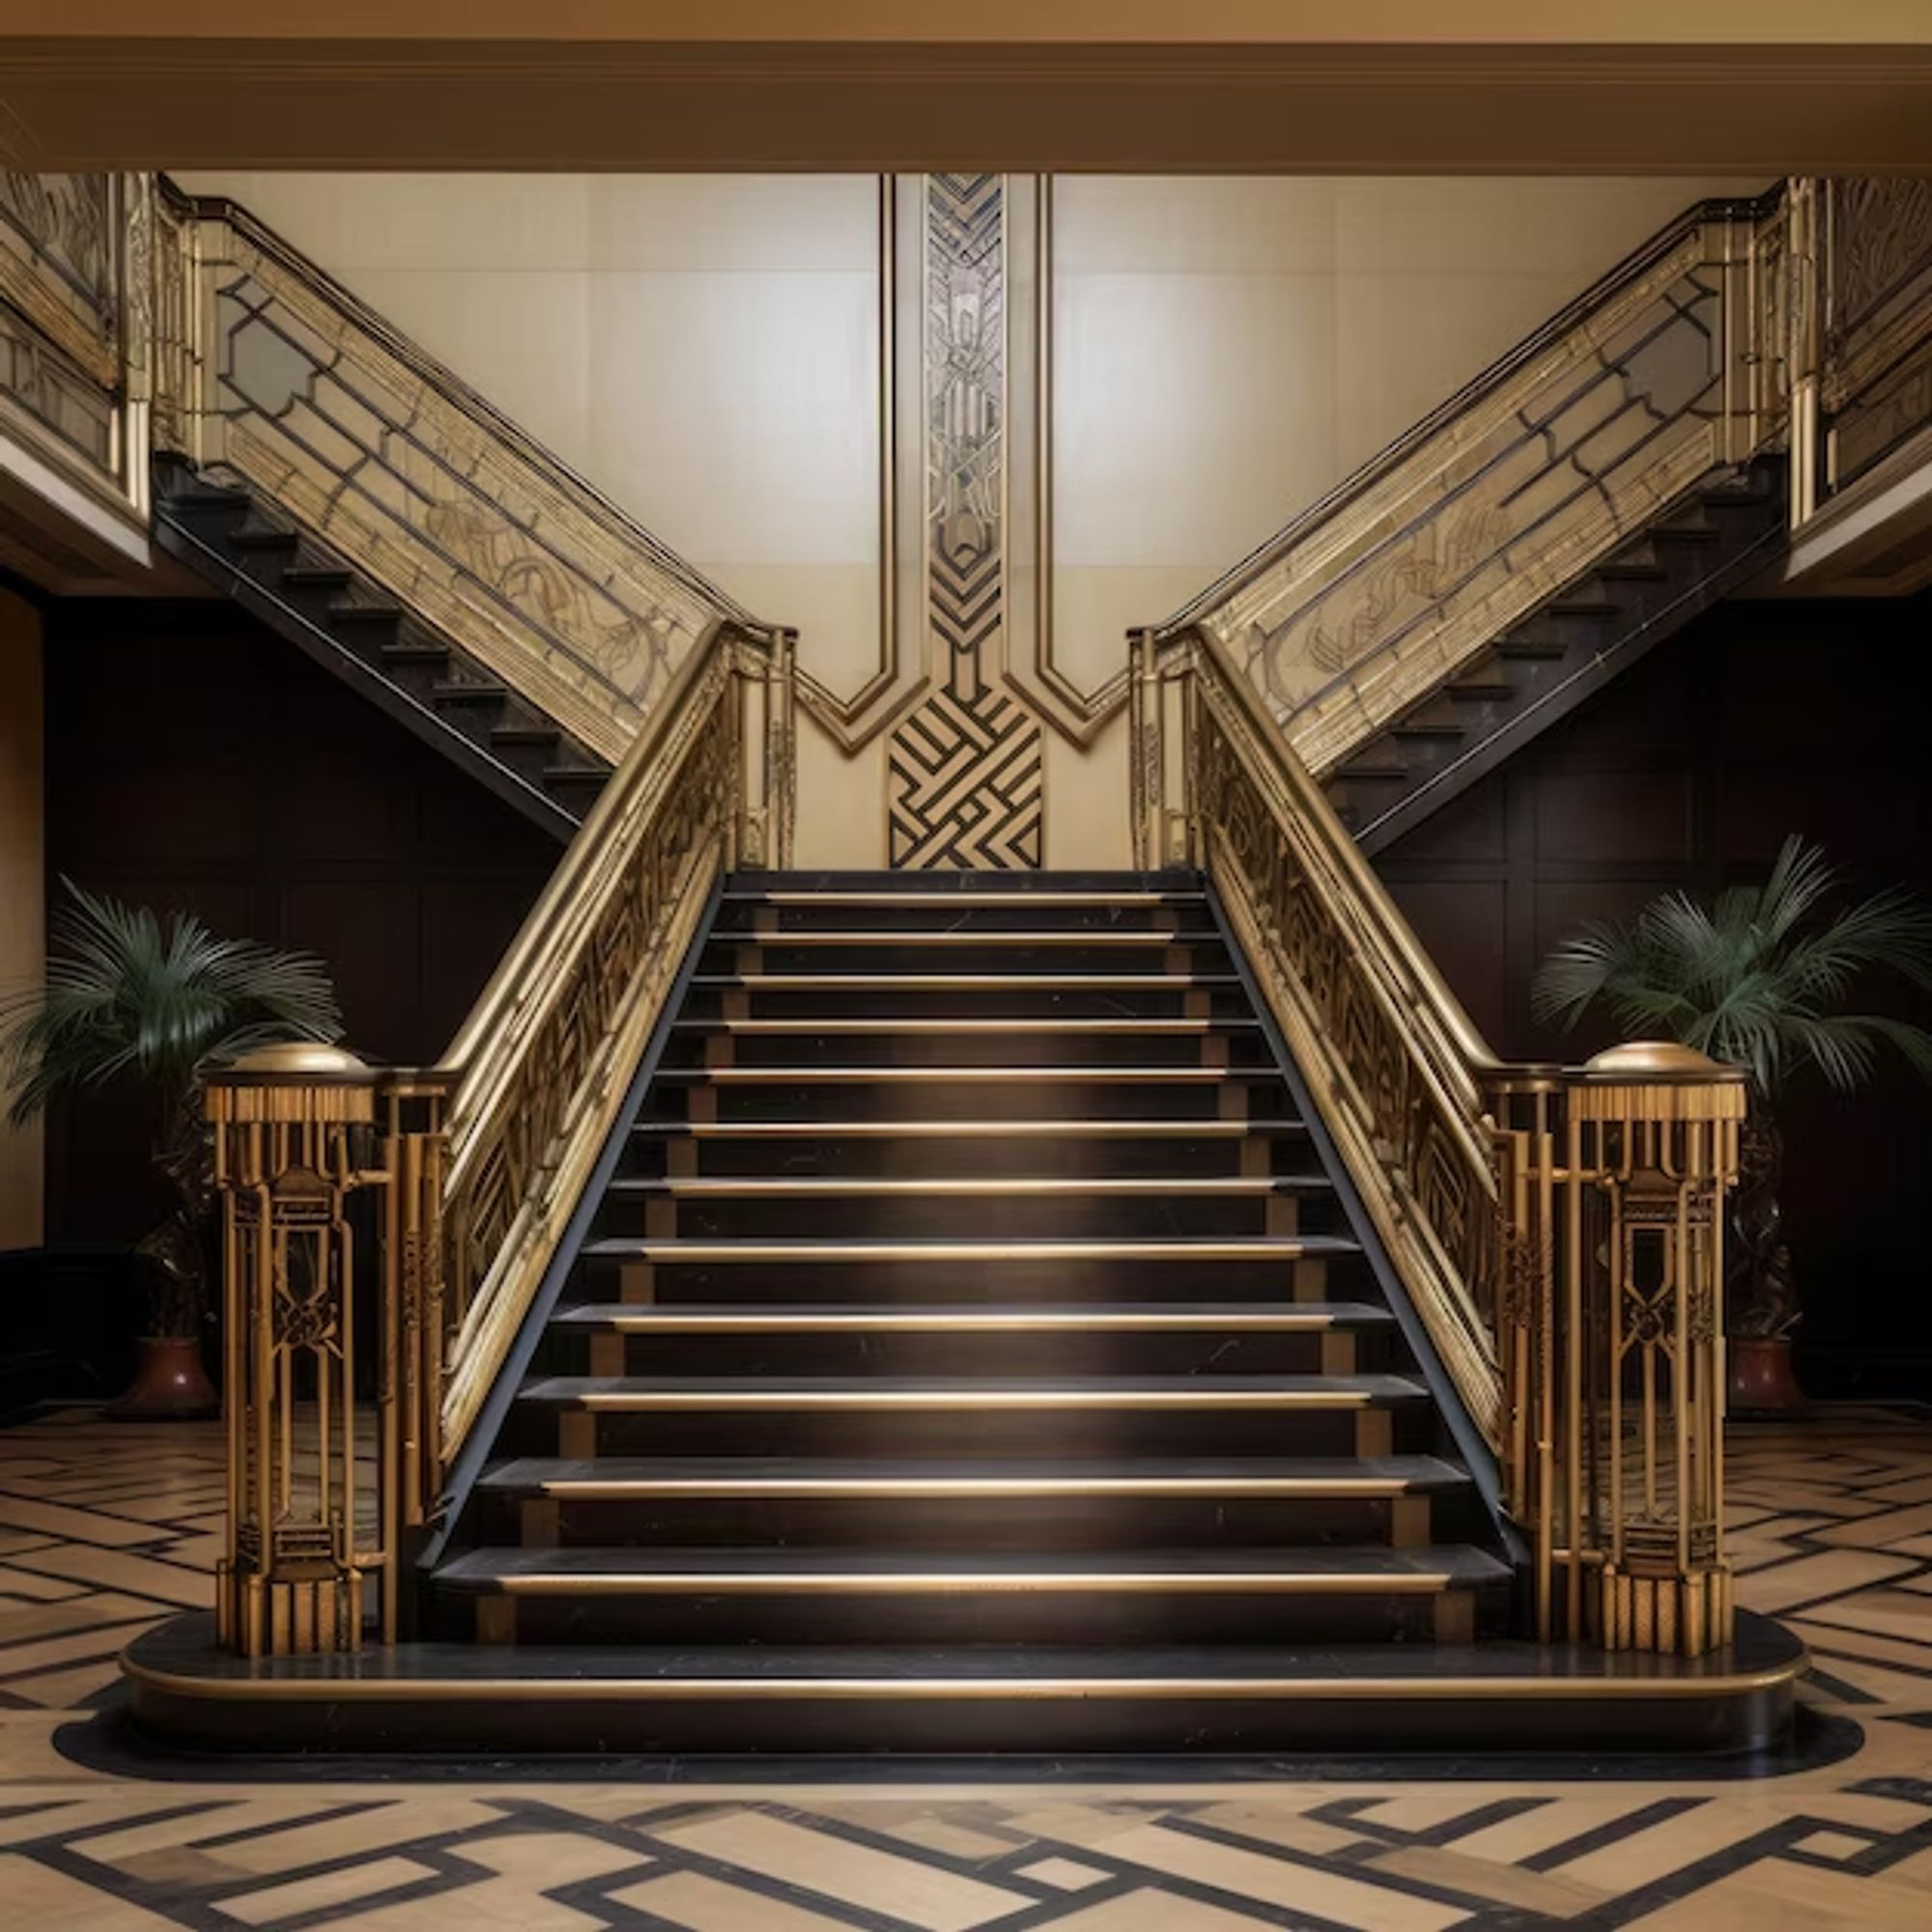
x=195, y=761
x=1763, y=718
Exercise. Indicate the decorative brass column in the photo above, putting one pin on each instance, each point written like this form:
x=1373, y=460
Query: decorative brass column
x=295, y=1145
x=1610, y=1317
x=330, y=1175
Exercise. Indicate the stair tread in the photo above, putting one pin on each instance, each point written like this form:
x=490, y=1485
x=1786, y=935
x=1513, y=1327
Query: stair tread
x=1178, y=896
x=1085, y=1318
x=832, y=1186
x=708, y=1568
x=1017, y=936
x=1057, y=1074
x=939, y=1247
x=973, y=1129
x=939, y=1476
x=957, y=982
x=1355, y=1391
x=969, y=1029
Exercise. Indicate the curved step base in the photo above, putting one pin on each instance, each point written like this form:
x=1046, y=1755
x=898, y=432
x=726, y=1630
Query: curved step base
x=1479, y=1700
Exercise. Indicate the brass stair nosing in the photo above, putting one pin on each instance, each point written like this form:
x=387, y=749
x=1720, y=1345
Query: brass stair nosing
x=1182, y=895
x=818, y=983
x=885, y=1489
x=1017, y=936
x=1113, y=1128
x=1203, y=1248
x=659, y=1318
x=930, y=1583
x=925, y=1028
x=981, y=1397
x=1055, y=1074
x=1021, y=1187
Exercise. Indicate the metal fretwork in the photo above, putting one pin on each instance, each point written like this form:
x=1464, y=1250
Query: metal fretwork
x=1558, y=1231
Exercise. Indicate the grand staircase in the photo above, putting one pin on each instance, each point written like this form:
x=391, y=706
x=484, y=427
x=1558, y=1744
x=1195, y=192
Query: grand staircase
x=970, y=1342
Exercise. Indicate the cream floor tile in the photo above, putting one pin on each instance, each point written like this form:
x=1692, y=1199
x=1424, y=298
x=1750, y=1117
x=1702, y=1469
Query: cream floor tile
x=1279, y=1824
x=1282, y=1883
x=1155, y=1910
x=709, y=1905
x=1541, y=1892
x=1779, y=1896
x=57, y=1520
x=1813, y=1577
x=277, y=1903
x=1828, y=1640
x=218, y=1819
x=938, y=1901
x=116, y=1570
x=34, y=1895
x=1897, y=1613
x=496, y=1903
x=1882, y=1531
x=356, y=1828
x=548, y=1860
x=98, y=1641
x=67, y=1689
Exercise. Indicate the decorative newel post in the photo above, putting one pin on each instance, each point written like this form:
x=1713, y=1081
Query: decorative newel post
x=295, y=1145
x=1652, y=1151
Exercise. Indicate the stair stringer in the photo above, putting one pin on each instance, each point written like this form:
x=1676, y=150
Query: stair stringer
x=481, y=1441
x=1471, y=1444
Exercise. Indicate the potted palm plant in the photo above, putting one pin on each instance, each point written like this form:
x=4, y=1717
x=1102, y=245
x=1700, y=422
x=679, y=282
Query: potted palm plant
x=1761, y=978
x=123, y=996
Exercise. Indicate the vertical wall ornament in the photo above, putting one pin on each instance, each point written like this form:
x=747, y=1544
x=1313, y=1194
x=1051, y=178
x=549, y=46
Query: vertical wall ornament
x=965, y=769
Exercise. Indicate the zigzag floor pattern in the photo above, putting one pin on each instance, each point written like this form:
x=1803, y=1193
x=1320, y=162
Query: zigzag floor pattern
x=104, y=1530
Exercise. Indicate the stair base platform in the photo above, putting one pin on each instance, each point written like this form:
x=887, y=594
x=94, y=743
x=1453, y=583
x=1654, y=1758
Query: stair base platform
x=1486, y=1699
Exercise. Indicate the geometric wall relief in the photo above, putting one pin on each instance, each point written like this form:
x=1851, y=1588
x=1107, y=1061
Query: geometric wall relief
x=964, y=770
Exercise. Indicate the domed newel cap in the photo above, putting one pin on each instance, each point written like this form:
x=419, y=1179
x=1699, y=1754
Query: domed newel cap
x=1657, y=1080
x=293, y=1080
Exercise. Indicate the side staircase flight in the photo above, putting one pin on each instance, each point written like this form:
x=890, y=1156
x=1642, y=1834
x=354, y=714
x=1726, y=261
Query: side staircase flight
x=974, y=1345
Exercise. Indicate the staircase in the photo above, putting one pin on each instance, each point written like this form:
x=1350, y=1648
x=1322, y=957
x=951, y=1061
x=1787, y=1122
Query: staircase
x=969, y=1342
x=242, y=544
x=971, y=1279
x=1540, y=669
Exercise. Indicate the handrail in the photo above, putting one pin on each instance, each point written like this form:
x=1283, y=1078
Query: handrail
x=1397, y=1066
x=1668, y=371
x=267, y=371
x=536, y=1071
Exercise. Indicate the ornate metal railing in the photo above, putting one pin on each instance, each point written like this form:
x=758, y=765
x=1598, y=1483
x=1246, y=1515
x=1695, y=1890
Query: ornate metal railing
x=469, y=1170
x=1556, y=1232
x=1671, y=369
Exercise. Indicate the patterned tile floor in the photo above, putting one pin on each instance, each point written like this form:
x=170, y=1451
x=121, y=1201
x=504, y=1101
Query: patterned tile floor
x=102, y=1530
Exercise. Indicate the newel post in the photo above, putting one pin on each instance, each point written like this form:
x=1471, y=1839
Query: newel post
x=1652, y=1151
x=330, y=1174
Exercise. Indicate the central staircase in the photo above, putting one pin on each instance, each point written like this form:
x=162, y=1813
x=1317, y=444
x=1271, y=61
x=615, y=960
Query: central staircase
x=970, y=1342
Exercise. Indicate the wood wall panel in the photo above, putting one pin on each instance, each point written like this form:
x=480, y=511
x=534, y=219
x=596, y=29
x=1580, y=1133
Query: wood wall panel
x=1762, y=719
x=197, y=762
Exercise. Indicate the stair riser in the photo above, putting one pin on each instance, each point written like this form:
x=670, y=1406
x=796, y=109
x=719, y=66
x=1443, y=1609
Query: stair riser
x=965, y=1216
x=1001, y=1355
x=923, y=1280
x=1043, y=1524
x=755, y=923
x=938, y=1098
x=971, y=1154
x=994, y=1001
x=1124, y=1047
x=1150, y=952
x=1154, y=1615
x=538, y=1430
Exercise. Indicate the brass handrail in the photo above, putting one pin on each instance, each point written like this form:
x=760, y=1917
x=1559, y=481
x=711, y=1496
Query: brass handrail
x=537, y=1072
x=1398, y=1068
x=1671, y=371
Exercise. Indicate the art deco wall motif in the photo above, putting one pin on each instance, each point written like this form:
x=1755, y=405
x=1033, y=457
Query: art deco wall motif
x=58, y=262
x=964, y=771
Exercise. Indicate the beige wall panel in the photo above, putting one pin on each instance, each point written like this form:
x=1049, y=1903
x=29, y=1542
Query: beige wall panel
x=22, y=889
x=1095, y=604
x=841, y=803
x=1087, y=822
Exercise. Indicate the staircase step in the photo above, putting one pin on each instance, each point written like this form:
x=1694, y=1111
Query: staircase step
x=1529, y=649
x=995, y=1188
x=710, y=1573
x=471, y=693
x=320, y=577
x=621, y=1478
x=1582, y=607
x=988, y=936
x=1056, y=1395
x=713, y=1318
x=1044, y=983
x=954, y=900
x=806, y=1075
x=966, y=1029
x=973, y=1129
x=845, y=1254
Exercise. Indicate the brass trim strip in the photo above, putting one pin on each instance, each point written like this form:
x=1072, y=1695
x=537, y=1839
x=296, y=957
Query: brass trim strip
x=833, y=1188
x=659, y=1319
x=687, y=1690
x=1054, y=1075
x=955, y=982
x=940, y=1489
x=1261, y=1247
x=972, y=1584
x=970, y=1028
x=981, y=1395
x=1017, y=937
x=1102, y=1130
x=1182, y=894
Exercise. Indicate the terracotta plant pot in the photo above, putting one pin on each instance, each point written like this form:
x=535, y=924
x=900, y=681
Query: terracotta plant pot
x=1762, y=1382
x=170, y=1384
